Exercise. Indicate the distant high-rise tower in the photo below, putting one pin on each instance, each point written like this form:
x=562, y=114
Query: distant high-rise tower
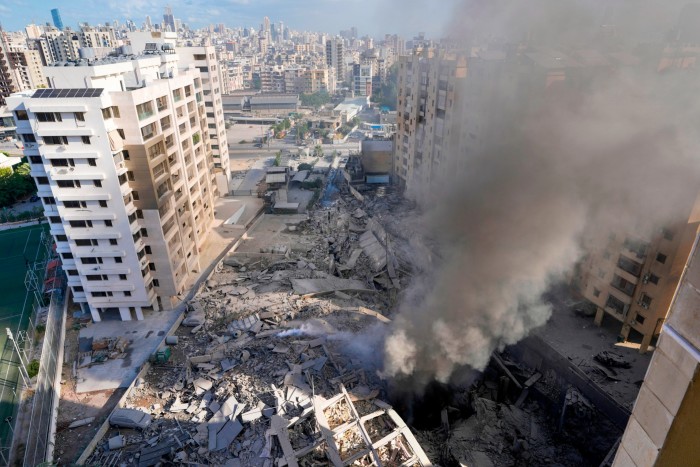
x=57, y=18
x=169, y=19
x=266, y=29
x=149, y=24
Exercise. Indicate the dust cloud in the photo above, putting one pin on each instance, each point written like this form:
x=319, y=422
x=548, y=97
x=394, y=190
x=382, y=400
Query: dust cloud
x=512, y=216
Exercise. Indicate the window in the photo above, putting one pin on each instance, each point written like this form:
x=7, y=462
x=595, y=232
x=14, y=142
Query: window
x=108, y=223
x=121, y=134
x=139, y=214
x=28, y=137
x=80, y=223
x=92, y=162
x=148, y=131
x=68, y=183
x=67, y=255
x=156, y=283
x=615, y=303
x=61, y=238
x=62, y=163
x=103, y=203
x=101, y=294
x=144, y=110
x=144, y=232
x=74, y=204
x=113, y=241
x=654, y=279
x=55, y=140
x=35, y=159
x=49, y=117
x=152, y=266
x=125, y=153
x=42, y=180
x=122, y=277
x=21, y=115
x=97, y=183
x=127, y=293
x=117, y=259
x=49, y=200
x=661, y=258
x=106, y=113
x=639, y=318
x=79, y=116
x=85, y=139
x=91, y=260
x=86, y=242
x=115, y=112
x=55, y=219
x=668, y=235
x=78, y=288
x=72, y=272
x=96, y=277
x=148, y=250
x=645, y=301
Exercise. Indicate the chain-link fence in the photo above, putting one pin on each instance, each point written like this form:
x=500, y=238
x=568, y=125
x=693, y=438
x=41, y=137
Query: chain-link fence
x=36, y=447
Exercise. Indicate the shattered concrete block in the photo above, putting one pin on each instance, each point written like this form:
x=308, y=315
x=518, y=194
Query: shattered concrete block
x=244, y=324
x=81, y=422
x=200, y=359
x=245, y=355
x=202, y=385
x=226, y=364
x=227, y=434
x=116, y=442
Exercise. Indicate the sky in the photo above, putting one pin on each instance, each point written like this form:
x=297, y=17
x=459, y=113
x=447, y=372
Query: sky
x=371, y=17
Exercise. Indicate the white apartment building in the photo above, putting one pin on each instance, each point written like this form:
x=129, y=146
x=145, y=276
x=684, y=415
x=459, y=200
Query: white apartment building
x=203, y=59
x=122, y=159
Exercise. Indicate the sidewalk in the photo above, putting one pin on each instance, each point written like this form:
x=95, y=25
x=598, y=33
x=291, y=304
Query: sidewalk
x=145, y=336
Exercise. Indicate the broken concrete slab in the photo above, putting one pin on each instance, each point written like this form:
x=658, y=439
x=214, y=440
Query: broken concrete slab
x=227, y=434
x=326, y=285
x=202, y=385
x=81, y=422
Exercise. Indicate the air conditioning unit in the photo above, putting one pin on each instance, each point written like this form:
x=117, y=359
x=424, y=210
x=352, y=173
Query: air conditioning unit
x=645, y=279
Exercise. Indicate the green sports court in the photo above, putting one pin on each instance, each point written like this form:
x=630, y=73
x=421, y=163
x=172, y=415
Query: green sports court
x=18, y=248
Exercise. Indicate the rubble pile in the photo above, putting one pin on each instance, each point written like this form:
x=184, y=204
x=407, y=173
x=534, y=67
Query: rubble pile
x=262, y=373
x=93, y=352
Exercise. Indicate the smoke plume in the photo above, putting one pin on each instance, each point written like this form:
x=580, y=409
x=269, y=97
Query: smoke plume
x=619, y=153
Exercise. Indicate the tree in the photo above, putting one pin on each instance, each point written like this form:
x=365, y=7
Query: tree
x=278, y=159
x=15, y=184
x=388, y=92
x=316, y=99
x=302, y=129
x=318, y=150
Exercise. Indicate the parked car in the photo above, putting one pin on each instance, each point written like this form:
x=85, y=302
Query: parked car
x=130, y=418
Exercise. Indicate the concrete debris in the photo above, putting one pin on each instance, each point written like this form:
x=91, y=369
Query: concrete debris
x=116, y=442
x=612, y=359
x=327, y=285
x=260, y=375
x=82, y=422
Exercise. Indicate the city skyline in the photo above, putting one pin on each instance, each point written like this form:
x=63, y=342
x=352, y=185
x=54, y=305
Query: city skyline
x=371, y=18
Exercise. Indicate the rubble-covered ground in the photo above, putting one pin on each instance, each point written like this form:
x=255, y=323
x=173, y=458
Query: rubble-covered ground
x=275, y=364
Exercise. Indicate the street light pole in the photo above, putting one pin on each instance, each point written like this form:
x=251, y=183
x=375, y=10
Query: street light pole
x=22, y=368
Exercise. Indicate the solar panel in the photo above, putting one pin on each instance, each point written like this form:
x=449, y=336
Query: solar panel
x=67, y=93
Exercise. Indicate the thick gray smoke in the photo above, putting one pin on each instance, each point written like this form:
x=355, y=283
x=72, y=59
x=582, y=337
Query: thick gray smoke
x=622, y=153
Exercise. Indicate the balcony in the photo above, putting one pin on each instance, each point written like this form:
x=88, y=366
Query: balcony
x=623, y=285
x=632, y=267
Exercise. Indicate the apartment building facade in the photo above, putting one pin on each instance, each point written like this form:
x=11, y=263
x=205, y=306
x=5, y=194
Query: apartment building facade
x=335, y=57
x=203, y=59
x=428, y=107
x=663, y=427
x=122, y=159
x=633, y=279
